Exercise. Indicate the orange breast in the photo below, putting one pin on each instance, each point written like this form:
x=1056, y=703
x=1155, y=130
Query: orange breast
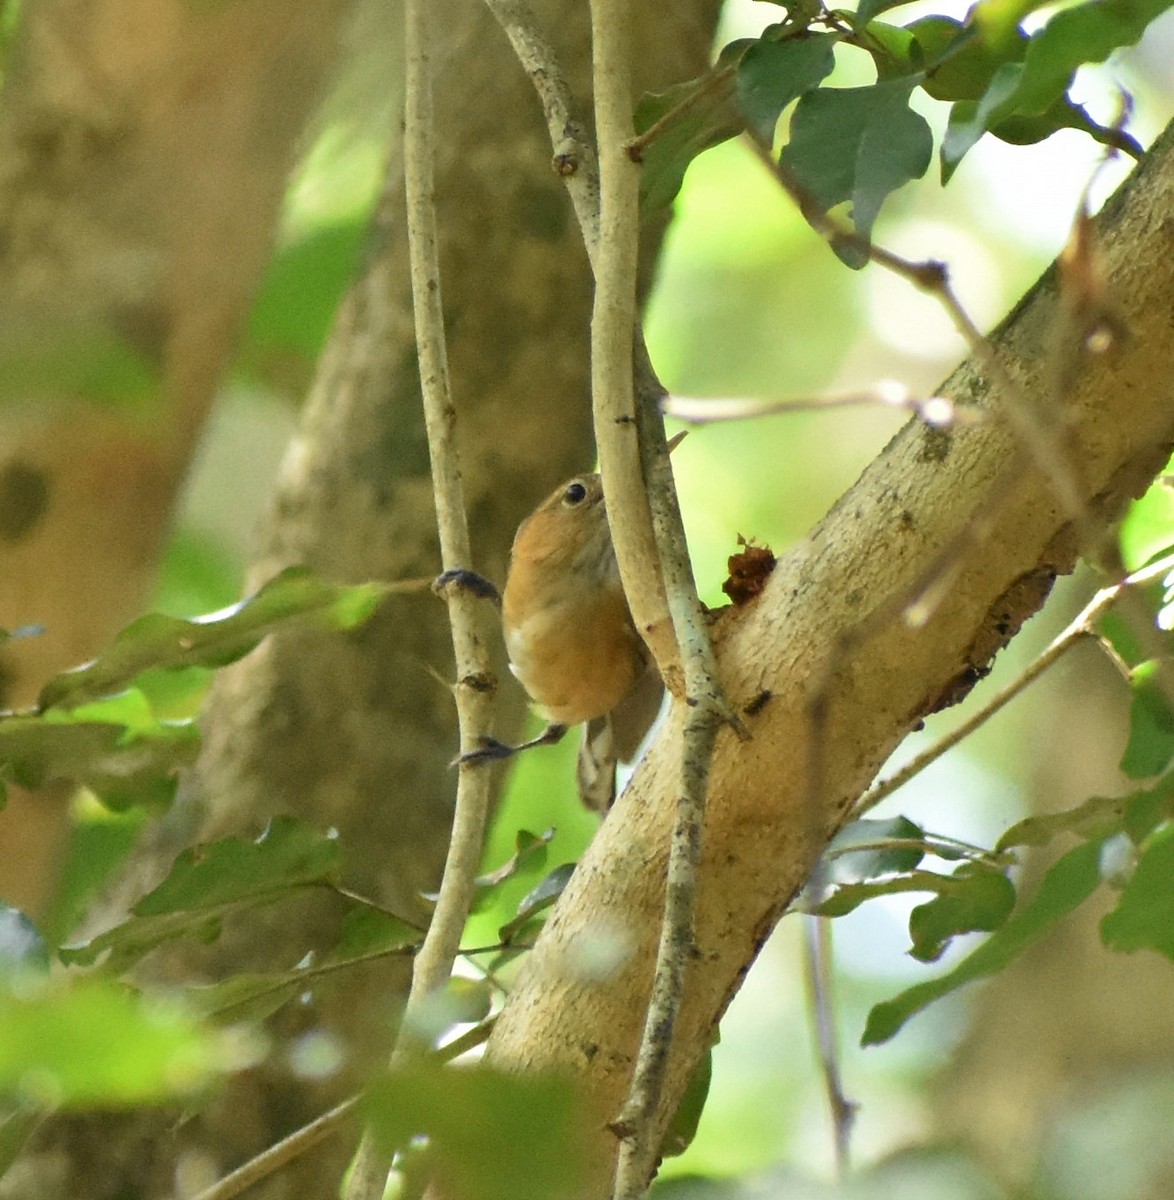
x=577, y=659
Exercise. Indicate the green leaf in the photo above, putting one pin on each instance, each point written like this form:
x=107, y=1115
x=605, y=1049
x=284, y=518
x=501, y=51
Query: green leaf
x=530, y=850
x=867, y=9
x=215, y=640
x=1097, y=817
x=92, y=1043
x=1063, y=114
x=297, y=300
x=1070, y=881
x=538, y=899
x=857, y=145
x=981, y=901
x=999, y=20
x=208, y=883
x=881, y=852
x=1148, y=528
x=1151, y=725
x=1144, y=916
x=1146, y=810
x=1076, y=36
x=683, y=1126
x=1126, y=640
x=491, y=1135
x=99, y=842
x=367, y=933
x=115, y=746
x=367, y=930
x=288, y=854
x=1036, y=86
x=959, y=63
x=970, y=119
x=246, y=996
x=698, y=114
x=89, y=362
x=895, y=51
x=773, y=73
x=850, y=896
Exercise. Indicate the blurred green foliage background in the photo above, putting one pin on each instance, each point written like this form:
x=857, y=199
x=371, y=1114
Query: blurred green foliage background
x=749, y=302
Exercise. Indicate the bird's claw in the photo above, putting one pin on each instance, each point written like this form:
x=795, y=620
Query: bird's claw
x=491, y=750
x=462, y=577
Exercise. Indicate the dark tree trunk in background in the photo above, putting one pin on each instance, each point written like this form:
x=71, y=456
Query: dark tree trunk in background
x=357, y=732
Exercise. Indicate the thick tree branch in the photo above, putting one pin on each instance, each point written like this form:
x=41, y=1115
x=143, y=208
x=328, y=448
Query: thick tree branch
x=880, y=538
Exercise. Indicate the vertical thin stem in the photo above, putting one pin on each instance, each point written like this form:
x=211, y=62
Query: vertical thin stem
x=818, y=937
x=613, y=324
x=642, y=508
x=618, y=435
x=475, y=684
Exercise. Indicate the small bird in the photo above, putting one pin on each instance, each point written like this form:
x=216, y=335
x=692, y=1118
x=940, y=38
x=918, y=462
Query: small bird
x=570, y=637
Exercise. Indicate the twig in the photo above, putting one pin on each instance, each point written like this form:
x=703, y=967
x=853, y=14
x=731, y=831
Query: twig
x=641, y=502
x=612, y=347
x=934, y=843
x=818, y=937
x=630, y=471
x=938, y=412
x=574, y=156
x=613, y=321
x=1038, y=435
x=282, y=1153
x=1081, y=627
x=718, y=78
x=635, y=1125
x=475, y=684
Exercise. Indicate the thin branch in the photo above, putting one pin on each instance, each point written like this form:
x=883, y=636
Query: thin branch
x=574, y=155
x=646, y=522
x=938, y=412
x=718, y=78
x=933, y=843
x=280, y=1154
x=292, y=1147
x=475, y=684
x=818, y=940
x=613, y=322
x=1082, y=626
x=627, y=484
x=1041, y=435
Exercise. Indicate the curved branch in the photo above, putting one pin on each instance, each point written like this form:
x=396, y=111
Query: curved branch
x=759, y=841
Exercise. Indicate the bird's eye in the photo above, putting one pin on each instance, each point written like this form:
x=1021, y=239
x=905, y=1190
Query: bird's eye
x=576, y=493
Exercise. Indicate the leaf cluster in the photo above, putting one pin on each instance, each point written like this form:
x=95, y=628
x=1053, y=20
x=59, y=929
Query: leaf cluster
x=1124, y=844
x=850, y=148
x=98, y=725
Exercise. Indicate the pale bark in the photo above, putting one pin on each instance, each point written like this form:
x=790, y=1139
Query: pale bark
x=865, y=556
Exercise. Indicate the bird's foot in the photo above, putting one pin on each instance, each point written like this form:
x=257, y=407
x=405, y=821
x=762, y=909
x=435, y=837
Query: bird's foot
x=461, y=577
x=491, y=750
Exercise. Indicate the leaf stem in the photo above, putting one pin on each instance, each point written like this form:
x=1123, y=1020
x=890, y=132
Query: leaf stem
x=717, y=78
